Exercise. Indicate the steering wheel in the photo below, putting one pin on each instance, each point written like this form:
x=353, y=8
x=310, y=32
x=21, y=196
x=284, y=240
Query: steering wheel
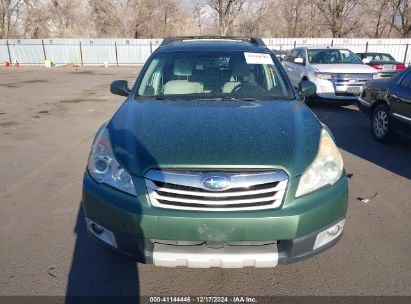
x=248, y=87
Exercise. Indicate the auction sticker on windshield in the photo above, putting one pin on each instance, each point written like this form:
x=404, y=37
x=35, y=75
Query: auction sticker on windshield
x=258, y=58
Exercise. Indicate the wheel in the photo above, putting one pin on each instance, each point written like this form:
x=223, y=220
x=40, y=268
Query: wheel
x=381, y=125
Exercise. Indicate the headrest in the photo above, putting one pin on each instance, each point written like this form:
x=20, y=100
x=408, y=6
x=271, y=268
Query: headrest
x=182, y=67
x=318, y=57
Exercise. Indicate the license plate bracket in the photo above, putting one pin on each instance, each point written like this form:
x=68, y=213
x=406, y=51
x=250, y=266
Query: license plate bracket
x=354, y=90
x=388, y=67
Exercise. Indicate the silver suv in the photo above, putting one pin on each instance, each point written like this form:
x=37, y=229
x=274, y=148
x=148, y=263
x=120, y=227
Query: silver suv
x=338, y=74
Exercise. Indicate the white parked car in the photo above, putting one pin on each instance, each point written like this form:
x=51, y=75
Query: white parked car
x=338, y=74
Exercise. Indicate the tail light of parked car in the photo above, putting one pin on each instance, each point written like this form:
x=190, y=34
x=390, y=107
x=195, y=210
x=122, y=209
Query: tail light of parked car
x=377, y=66
x=398, y=67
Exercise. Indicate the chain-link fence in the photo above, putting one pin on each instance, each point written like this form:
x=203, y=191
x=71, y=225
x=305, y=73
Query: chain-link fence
x=136, y=51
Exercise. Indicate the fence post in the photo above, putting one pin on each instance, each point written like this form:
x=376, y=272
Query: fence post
x=8, y=50
x=115, y=49
x=366, y=47
x=44, y=49
x=332, y=42
x=406, y=53
x=81, y=54
x=295, y=42
x=151, y=48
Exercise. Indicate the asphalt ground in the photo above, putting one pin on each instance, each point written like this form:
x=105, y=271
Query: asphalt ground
x=48, y=118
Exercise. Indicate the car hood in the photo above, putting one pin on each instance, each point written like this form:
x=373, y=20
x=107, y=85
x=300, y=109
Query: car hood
x=378, y=84
x=345, y=68
x=214, y=135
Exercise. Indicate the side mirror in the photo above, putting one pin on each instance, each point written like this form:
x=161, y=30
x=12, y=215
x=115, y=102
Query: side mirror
x=307, y=88
x=120, y=87
x=299, y=60
x=366, y=60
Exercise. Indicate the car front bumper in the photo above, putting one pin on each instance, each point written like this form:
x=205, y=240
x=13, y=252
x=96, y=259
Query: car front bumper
x=327, y=91
x=231, y=255
x=215, y=239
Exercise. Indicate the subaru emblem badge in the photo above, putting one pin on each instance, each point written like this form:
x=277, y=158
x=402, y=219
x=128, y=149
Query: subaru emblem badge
x=216, y=183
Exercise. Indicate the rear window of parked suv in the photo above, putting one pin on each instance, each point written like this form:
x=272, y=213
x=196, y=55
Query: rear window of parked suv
x=212, y=74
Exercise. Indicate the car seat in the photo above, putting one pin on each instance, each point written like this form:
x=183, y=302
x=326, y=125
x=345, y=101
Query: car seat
x=182, y=69
x=240, y=72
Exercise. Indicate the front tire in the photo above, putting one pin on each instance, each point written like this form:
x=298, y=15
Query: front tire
x=381, y=124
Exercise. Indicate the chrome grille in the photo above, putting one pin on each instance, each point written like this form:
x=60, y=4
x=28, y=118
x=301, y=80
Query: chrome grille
x=351, y=79
x=247, y=191
x=349, y=84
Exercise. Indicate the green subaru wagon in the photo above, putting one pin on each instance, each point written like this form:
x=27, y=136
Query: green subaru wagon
x=214, y=160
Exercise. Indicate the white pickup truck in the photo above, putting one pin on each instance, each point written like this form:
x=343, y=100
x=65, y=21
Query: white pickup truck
x=338, y=74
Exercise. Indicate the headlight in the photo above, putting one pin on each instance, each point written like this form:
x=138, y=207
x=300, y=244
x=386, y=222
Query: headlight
x=104, y=168
x=324, y=76
x=326, y=169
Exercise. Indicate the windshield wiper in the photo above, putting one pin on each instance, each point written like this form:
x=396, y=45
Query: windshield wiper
x=162, y=98
x=241, y=98
x=226, y=98
x=208, y=99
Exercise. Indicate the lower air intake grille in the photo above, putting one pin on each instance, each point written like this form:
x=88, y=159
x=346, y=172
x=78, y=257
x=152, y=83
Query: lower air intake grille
x=186, y=190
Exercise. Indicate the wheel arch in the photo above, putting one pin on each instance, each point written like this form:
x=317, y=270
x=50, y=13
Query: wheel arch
x=377, y=103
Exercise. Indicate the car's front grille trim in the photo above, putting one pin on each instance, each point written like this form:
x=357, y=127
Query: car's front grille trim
x=238, y=207
x=247, y=191
x=239, y=189
x=351, y=79
x=204, y=193
x=227, y=201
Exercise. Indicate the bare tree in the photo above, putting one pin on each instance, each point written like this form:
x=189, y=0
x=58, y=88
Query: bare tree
x=9, y=13
x=401, y=17
x=338, y=15
x=382, y=6
x=158, y=18
x=63, y=18
x=254, y=18
x=293, y=13
x=106, y=17
x=227, y=11
x=34, y=20
x=199, y=14
x=161, y=18
x=375, y=19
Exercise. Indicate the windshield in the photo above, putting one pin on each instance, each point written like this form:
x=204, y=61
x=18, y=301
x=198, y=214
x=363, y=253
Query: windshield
x=213, y=74
x=331, y=56
x=380, y=57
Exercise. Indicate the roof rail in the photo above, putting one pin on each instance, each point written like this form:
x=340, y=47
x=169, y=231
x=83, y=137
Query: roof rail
x=253, y=40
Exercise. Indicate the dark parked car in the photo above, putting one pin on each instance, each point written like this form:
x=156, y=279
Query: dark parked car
x=388, y=103
x=385, y=63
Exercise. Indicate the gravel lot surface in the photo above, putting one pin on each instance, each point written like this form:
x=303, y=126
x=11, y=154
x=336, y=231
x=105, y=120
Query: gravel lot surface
x=47, y=121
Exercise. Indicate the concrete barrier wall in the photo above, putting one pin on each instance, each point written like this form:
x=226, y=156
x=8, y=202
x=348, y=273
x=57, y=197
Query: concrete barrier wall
x=136, y=51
